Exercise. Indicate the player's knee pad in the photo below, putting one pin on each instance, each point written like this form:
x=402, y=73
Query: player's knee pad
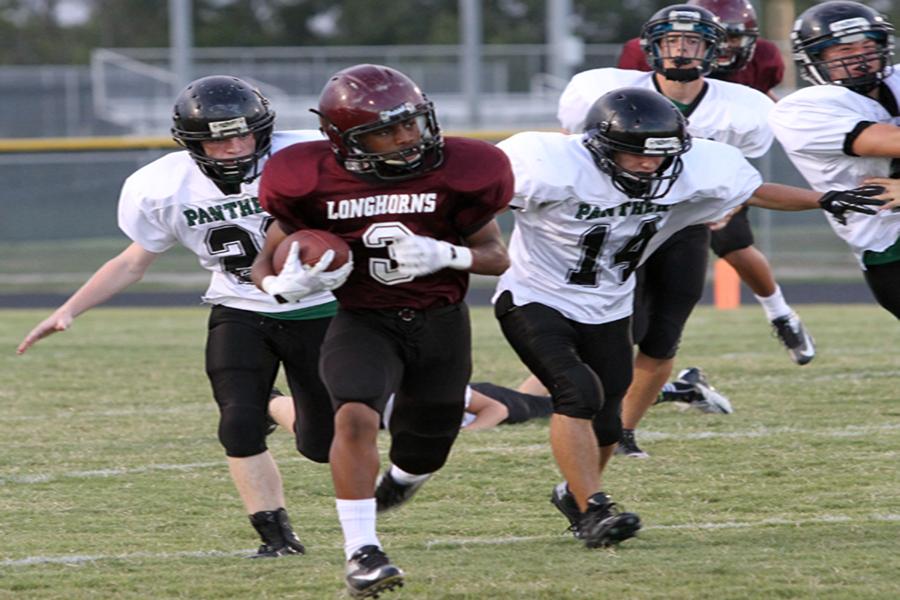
x=315, y=449
x=577, y=392
x=242, y=431
x=607, y=428
x=420, y=454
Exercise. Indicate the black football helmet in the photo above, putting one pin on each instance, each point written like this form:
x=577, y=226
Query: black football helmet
x=217, y=108
x=841, y=22
x=738, y=17
x=686, y=19
x=365, y=98
x=637, y=121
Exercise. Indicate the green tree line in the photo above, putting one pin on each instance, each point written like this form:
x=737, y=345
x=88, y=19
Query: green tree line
x=65, y=31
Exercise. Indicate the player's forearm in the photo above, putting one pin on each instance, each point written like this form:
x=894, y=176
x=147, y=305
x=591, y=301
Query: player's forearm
x=116, y=275
x=776, y=196
x=489, y=259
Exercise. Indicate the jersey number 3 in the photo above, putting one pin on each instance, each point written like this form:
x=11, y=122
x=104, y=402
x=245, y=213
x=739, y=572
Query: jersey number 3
x=629, y=255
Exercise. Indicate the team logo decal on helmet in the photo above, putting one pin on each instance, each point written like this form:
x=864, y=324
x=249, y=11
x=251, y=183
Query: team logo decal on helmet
x=637, y=121
x=689, y=21
x=839, y=22
x=364, y=99
x=217, y=108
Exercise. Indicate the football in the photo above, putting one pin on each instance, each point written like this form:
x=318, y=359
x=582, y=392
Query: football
x=313, y=244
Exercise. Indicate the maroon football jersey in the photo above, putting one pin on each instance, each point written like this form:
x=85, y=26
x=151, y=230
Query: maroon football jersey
x=304, y=187
x=764, y=71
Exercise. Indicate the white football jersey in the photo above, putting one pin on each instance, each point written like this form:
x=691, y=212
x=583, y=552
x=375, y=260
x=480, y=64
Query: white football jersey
x=812, y=124
x=577, y=239
x=170, y=201
x=728, y=112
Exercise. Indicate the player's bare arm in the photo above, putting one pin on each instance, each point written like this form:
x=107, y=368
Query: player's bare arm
x=488, y=412
x=777, y=196
x=879, y=139
x=118, y=273
x=489, y=256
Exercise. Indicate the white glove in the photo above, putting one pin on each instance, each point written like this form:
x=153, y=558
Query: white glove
x=418, y=255
x=297, y=280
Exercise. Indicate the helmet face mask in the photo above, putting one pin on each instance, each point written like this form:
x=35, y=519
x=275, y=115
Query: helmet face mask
x=364, y=102
x=691, y=22
x=218, y=108
x=738, y=17
x=825, y=26
x=641, y=122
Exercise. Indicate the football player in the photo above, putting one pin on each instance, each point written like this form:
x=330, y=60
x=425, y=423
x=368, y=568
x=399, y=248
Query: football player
x=844, y=129
x=589, y=210
x=418, y=212
x=745, y=57
x=205, y=198
x=681, y=43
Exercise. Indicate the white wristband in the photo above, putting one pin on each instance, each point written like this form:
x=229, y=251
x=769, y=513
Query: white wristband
x=460, y=258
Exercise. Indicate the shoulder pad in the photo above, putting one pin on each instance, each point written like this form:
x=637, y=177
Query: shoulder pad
x=472, y=165
x=294, y=171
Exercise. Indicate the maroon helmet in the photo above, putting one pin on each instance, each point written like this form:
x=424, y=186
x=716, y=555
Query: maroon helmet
x=739, y=19
x=365, y=98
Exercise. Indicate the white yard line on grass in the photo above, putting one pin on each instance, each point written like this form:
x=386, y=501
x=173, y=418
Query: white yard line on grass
x=113, y=472
x=773, y=521
x=460, y=541
x=848, y=431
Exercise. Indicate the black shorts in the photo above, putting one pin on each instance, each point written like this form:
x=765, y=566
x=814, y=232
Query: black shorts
x=243, y=352
x=554, y=347
x=520, y=407
x=884, y=281
x=422, y=356
x=736, y=235
x=668, y=287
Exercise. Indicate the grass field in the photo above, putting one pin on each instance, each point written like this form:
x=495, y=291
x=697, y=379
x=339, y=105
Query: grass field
x=112, y=483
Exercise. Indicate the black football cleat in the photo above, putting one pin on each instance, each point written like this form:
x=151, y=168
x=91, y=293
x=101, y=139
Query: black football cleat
x=565, y=503
x=278, y=537
x=391, y=494
x=603, y=524
x=370, y=572
x=800, y=345
x=627, y=446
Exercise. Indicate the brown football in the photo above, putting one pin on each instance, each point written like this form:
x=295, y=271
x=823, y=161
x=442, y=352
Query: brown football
x=313, y=244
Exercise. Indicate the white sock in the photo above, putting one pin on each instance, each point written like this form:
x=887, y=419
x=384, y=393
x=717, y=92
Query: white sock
x=358, y=523
x=774, y=305
x=401, y=476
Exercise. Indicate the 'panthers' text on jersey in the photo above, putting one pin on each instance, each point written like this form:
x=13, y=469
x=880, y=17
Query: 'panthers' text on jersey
x=812, y=124
x=305, y=187
x=170, y=201
x=726, y=112
x=577, y=239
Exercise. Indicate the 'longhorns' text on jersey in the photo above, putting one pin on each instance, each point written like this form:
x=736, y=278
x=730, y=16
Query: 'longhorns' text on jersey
x=170, y=201
x=578, y=240
x=812, y=124
x=726, y=112
x=305, y=187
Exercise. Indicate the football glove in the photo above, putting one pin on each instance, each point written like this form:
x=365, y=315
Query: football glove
x=838, y=202
x=297, y=280
x=418, y=255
